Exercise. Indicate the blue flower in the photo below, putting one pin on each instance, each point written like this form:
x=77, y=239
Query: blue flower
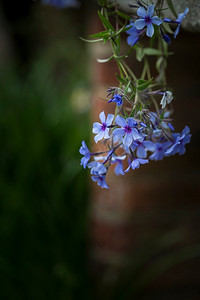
x=127, y=131
x=142, y=148
x=166, y=38
x=116, y=98
x=146, y=19
x=136, y=162
x=84, y=151
x=180, y=141
x=61, y=3
x=102, y=130
x=97, y=168
x=134, y=35
x=159, y=151
x=100, y=181
x=179, y=20
x=119, y=164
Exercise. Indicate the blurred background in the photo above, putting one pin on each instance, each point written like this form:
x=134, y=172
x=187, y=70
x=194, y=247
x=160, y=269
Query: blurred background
x=61, y=236
x=43, y=119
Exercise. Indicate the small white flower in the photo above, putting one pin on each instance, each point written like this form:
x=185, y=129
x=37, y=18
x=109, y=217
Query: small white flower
x=166, y=99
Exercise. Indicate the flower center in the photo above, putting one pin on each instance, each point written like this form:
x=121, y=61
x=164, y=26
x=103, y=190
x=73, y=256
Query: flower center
x=104, y=126
x=128, y=129
x=148, y=20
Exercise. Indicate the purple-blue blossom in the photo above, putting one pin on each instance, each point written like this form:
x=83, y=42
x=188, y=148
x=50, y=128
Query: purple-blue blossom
x=180, y=141
x=127, y=131
x=84, y=151
x=142, y=148
x=100, y=181
x=98, y=172
x=97, y=168
x=61, y=3
x=178, y=21
x=119, y=170
x=147, y=19
x=102, y=130
x=117, y=99
x=136, y=162
x=134, y=35
x=159, y=150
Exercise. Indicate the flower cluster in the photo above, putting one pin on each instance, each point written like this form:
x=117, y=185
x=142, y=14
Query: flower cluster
x=141, y=128
x=132, y=141
x=145, y=24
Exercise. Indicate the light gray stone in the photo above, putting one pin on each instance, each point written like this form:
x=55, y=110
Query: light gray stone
x=191, y=21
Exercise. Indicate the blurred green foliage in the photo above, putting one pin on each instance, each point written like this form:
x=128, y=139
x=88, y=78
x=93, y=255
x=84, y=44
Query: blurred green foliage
x=43, y=191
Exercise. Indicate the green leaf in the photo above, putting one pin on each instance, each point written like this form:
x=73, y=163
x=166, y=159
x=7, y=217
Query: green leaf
x=91, y=41
x=105, y=22
x=103, y=2
x=152, y=51
x=171, y=7
x=104, y=60
x=123, y=29
x=126, y=114
x=127, y=87
x=123, y=15
x=120, y=79
x=167, y=27
x=159, y=63
x=143, y=84
x=101, y=34
x=139, y=53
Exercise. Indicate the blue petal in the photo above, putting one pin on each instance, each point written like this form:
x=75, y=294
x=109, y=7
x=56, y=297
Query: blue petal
x=182, y=150
x=181, y=16
x=102, y=169
x=135, y=164
x=140, y=24
x=119, y=169
x=120, y=121
x=136, y=135
x=141, y=152
x=141, y=12
x=132, y=40
x=127, y=141
x=186, y=130
x=150, y=30
x=109, y=119
x=106, y=134
x=156, y=21
x=166, y=38
x=131, y=122
x=96, y=127
x=118, y=132
x=150, y=10
x=176, y=32
x=99, y=136
x=84, y=161
x=102, y=117
x=187, y=139
x=143, y=161
x=95, y=178
x=132, y=30
x=150, y=145
x=166, y=20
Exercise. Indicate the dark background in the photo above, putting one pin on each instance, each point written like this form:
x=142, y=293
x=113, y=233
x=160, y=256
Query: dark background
x=43, y=191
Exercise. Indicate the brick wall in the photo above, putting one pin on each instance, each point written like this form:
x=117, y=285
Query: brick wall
x=156, y=206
